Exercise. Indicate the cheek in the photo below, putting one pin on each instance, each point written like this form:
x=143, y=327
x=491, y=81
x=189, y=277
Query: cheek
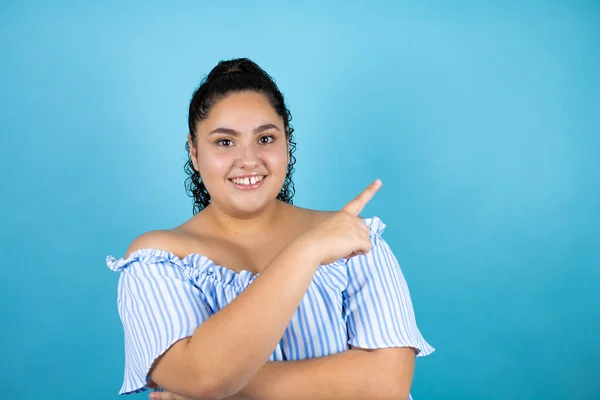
x=276, y=160
x=215, y=164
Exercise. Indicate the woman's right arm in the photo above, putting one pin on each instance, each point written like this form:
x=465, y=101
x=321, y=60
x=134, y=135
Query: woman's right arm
x=227, y=349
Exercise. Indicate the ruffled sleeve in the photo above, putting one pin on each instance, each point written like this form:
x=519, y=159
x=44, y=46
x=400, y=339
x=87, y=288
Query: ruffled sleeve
x=377, y=306
x=158, y=305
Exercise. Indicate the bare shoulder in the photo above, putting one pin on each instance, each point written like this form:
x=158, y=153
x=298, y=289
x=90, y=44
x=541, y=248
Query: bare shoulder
x=166, y=240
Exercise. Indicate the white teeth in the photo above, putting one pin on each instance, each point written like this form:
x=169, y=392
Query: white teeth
x=247, y=181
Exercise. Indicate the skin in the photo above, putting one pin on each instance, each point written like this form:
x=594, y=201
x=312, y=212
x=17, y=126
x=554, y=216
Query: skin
x=252, y=230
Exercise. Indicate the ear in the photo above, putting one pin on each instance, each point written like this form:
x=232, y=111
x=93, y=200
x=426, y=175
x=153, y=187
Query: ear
x=193, y=152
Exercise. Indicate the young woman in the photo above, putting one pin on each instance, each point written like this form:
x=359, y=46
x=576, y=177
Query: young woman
x=253, y=297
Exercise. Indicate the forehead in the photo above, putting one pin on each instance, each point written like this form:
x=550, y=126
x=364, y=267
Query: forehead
x=241, y=111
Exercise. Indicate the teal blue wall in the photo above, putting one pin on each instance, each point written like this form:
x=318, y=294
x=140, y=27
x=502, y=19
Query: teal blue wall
x=481, y=120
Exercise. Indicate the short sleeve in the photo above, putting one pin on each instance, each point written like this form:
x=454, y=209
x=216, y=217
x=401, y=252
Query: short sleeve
x=158, y=305
x=377, y=306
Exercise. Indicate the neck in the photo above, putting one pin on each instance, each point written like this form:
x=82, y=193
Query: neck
x=231, y=223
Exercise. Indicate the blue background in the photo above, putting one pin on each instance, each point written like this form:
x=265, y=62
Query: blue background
x=482, y=120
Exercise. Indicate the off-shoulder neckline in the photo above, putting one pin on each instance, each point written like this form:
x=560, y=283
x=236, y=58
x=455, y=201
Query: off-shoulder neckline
x=375, y=224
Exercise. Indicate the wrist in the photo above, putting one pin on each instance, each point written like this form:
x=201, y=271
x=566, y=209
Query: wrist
x=306, y=247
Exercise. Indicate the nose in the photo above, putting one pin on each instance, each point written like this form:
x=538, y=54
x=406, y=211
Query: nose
x=247, y=157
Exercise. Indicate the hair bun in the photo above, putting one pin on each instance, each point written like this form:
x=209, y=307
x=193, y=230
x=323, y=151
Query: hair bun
x=232, y=70
x=231, y=67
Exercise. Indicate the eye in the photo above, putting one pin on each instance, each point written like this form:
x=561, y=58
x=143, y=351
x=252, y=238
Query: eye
x=266, y=139
x=224, y=142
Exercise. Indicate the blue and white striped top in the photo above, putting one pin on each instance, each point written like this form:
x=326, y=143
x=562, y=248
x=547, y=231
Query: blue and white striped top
x=362, y=302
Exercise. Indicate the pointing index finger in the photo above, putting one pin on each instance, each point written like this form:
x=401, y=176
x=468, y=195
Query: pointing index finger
x=356, y=205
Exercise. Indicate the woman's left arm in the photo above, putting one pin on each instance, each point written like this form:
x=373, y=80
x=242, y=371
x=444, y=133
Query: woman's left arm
x=382, y=334
x=356, y=374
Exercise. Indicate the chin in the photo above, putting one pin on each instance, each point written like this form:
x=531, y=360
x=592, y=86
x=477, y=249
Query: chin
x=250, y=206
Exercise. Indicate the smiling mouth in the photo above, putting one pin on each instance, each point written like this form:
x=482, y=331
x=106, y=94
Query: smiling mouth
x=248, y=183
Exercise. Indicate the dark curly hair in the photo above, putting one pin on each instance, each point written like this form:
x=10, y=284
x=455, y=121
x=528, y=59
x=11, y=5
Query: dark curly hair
x=237, y=75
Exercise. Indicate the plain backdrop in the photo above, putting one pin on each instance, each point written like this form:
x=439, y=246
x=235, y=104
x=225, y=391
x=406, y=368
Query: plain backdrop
x=481, y=119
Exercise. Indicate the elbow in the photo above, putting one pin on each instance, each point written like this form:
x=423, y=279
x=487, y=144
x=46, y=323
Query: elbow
x=213, y=386
x=202, y=378
x=180, y=371
x=202, y=391
x=393, y=386
x=196, y=383
x=206, y=393
x=402, y=392
x=198, y=391
x=396, y=388
x=212, y=392
x=395, y=391
x=390, y=388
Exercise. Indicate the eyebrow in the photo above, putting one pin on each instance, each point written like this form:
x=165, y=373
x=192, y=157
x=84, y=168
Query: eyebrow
x=233, y=132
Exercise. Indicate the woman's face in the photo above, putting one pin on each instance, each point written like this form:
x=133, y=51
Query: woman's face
x=241, y=152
